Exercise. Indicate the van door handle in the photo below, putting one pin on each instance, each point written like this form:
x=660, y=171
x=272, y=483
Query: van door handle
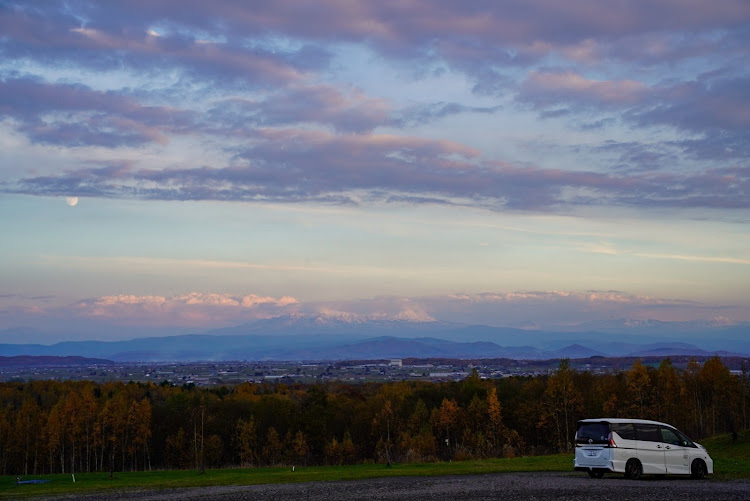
x=658, y=446
x=667, y=447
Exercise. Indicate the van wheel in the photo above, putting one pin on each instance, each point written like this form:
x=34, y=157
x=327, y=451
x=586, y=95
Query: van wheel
x=698, y=469
x=595, y=474
x=633, y=469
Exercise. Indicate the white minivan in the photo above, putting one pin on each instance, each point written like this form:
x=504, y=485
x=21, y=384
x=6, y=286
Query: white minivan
x=636, y=447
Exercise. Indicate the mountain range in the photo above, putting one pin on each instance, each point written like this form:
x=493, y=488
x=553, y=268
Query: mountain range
x=326, y=338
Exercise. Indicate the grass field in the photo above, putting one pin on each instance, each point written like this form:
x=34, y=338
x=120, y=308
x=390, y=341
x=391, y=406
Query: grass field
x=731, y=460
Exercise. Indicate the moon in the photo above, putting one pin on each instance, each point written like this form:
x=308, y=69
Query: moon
x=72, y=201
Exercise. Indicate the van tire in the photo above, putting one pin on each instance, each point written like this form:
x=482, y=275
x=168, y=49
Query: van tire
x=633, y=469
x=698, y=469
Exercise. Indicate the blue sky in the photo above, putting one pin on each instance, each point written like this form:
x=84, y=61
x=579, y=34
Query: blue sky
x=190, y=165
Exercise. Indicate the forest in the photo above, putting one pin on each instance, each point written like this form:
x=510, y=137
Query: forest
x=69, y=427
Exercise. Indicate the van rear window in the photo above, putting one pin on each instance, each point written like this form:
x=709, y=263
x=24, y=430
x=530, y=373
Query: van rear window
x=592, y=433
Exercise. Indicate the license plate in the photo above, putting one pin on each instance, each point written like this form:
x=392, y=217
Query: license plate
x=592, y=453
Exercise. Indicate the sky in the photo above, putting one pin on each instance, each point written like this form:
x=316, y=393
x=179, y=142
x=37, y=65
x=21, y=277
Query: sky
x=175, y=166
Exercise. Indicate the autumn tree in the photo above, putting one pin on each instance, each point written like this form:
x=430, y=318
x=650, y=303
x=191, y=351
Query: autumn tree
x=246, y=441
x=177, y=450
x=640, y=391
x=562, y=404
x=299, y=449
x=446, y=419
x=494, y=419
x=669, y=393
x=273, y=448
x=718, y=389
x=692, y=381
x=381, y=423
x=88, y=411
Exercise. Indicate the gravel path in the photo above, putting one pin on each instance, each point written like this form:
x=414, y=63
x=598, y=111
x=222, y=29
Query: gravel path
x=502, y=486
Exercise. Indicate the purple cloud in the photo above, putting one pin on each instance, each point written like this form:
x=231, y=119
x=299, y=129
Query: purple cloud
x=714, y=108
x=74, y=115
x=211, y=38
x=57, y=34
x=295, y=166
x=296, y=137
x=320, y=104
x=548, y=88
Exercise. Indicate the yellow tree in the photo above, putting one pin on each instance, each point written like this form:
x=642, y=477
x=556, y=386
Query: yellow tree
x=332, y=452
x=446, y=419
x=562, y=403
x=640, y=389
x=669, y=392
x=73, y=424
x=273, y=447
x=55, y=434
x=27, y=425
x=177, y=450
x=348, y=449
x=718, y=389
x=245, y=441
x=299, y=448
x=475, y=434
x=88, y=410
x=142, y=431
x=6, y=445
x=692, y=383
x=381, y=424
x=494, y=419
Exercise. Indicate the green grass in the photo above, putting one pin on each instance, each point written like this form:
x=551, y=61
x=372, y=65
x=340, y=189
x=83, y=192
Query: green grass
x=731, y=460
x=92, y=482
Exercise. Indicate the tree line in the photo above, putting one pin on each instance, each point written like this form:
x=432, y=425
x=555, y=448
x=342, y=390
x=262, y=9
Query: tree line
x=69, y=427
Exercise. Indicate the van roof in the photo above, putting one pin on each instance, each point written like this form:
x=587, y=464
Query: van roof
x=621, y=420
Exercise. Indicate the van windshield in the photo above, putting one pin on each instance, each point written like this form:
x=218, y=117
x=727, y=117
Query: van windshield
x=592, y=433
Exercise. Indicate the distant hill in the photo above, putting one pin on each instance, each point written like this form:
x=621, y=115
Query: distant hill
x=297, y=337
x=50, y=361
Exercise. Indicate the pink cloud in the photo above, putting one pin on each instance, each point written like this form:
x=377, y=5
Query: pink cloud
x=195, y=308
x=545, y=87
x=485, y=31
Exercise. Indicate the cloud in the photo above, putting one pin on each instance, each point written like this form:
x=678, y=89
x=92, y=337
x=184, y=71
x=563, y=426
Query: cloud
x=291, y=166
x=563, y=310
x=256, y=86
x=545, y=88
x=592, y=297
x=240, y=41
x=195, y=311
x=543, y=309
x=710, y=113
x=74, y=115
x=59, y=33
x=317, y=104
x=192, y=309
x=713, y=109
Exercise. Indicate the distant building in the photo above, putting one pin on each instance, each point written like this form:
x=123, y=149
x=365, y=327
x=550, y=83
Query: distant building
x=395, y=362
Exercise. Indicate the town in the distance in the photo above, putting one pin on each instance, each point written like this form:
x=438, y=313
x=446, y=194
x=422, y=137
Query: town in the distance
x=29, y=368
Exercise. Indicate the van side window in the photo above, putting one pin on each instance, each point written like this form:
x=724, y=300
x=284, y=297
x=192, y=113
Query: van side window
x=684, y=441
x=625, y=430
x=670, y=437
x=647, y=432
